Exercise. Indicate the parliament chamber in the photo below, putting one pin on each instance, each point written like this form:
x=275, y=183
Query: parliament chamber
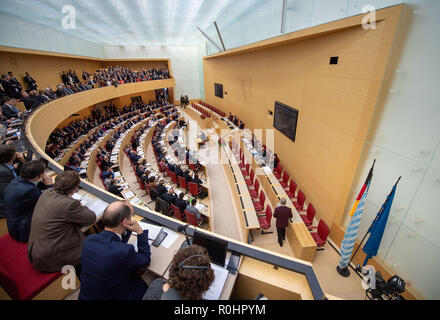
x=218, y=169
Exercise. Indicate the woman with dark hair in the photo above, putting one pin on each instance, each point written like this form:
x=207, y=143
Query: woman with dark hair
x=190, y=276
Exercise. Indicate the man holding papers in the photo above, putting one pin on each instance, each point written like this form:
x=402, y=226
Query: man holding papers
x=110, y=266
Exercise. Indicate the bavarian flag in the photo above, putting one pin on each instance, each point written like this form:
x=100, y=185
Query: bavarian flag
x=353, y=227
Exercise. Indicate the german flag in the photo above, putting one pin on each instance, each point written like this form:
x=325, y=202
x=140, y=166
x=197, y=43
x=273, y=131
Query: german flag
x=364, y=187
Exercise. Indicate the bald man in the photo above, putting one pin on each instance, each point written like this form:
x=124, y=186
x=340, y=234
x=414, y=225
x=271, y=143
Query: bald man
x=110, y=266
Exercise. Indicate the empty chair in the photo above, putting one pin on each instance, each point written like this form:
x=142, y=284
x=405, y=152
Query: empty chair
x=193, y=188
x=254, y=192
x=308, y=218
x=278, y=170
x=291, y=193
x=173, y=177
x=245, y=170
x=265, y=220
x=177, y=212
x=320, y=237
x=300, y=201
x=285, y=179
x=250, y=181
x=182, y=183
x=191, y=219
x=259, y=205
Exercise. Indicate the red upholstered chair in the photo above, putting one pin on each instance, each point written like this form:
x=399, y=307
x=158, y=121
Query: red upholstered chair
x=177, y=213
x=285, y=179
x=19, y=279
x=173, y=177
x=250, y=181
x=193, y=188
x=192, y=166
x=291, y=193
x=191, y=219
x=299, y=204
x=245, y=170
x=259, y=206
x=320, y=237
x=278, y=170
x=182, y=183
x=162, y=167
x=141, y=184
x=265, y=220
x=254, y=192
x=308, y=218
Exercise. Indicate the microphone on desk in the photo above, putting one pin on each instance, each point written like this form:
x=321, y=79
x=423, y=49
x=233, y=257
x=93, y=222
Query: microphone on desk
x=183, y=228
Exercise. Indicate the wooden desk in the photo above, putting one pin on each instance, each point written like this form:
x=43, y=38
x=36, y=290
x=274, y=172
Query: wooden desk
x=160, y=256
x=299, y=238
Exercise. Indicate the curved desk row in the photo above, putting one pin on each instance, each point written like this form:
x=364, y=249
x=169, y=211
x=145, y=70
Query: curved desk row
x=42, y=122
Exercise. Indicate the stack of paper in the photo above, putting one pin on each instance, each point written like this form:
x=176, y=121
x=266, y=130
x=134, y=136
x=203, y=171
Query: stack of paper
x=98, y=207
x=216, y=288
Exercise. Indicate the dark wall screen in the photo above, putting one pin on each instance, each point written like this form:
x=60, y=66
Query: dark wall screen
x=218, y=90
x=285, y=120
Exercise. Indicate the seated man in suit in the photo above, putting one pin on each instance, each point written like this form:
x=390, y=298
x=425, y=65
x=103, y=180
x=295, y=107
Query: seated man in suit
x=169, y=197
x=161, y=189
x=21, y=196
x=192, y=209
x=178, y=170
x=56, y=238
x=110, y=266
x=9, y=110
x=7, y=173
x=180, y=203
x=30, y=102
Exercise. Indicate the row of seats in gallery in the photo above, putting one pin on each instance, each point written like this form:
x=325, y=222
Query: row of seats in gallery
x=214, y=109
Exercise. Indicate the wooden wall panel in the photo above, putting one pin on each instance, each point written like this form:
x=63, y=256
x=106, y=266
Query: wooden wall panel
x=335, y=102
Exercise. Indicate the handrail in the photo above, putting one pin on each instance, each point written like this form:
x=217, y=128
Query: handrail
x=289, y=263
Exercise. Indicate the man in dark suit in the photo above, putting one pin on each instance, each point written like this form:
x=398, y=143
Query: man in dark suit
x=30, y=101
x=32, y=84
x=180, y=203
x=282, y=213
x=169, y=197
x=161, y=189
x=110, y=266
x=56, y=238
x=15, y=81
x=7, y=173
x=11, y=89
x=21, y=195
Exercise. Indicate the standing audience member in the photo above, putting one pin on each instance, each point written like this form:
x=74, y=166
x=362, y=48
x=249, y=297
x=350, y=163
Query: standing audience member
x=21, y=196
x=32, y=84
x=110, y=266
x=56, y=238
x=282, y=213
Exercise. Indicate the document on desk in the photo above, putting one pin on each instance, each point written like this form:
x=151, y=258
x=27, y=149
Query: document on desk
x=98, y=207
x=117, y=174
x=153, y=230
x=128, y=195
x=200, y=206
x=170, y=238
x=216, y=288
x=76, y=196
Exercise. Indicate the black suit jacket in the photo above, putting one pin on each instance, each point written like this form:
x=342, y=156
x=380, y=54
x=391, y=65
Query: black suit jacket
x=6, y=176
x=169, y=198
x=181, y=204
x=11, y=90
x=8, y=113
x=161, y=189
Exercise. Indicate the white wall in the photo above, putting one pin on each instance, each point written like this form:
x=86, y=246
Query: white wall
x=405, y=140
x=19, y=34
x=185, y=63
x=264, y=22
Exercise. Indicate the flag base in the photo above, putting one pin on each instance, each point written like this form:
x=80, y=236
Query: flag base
x=343, y=272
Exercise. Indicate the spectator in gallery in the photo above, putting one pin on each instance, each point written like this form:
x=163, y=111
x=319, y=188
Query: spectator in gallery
x=31, y=83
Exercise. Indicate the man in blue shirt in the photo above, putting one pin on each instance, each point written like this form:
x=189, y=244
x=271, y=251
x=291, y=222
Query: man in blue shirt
x=21, y=196
x=110, y=266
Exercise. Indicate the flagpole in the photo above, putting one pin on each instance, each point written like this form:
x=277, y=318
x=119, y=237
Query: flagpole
x=377, y=217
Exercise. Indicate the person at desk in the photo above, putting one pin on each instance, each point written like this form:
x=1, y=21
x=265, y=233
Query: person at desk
x=9, y=110
x=230, y=118
x=282, y=213
x=241, y=126
x=21, y=196
x=181, y=203
x=161, y=189
x=191, y=208
x=111, y=268
x=113, y=188
x=190, y=276
x=56, y=238
x=178, y=170
x=169, y=197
